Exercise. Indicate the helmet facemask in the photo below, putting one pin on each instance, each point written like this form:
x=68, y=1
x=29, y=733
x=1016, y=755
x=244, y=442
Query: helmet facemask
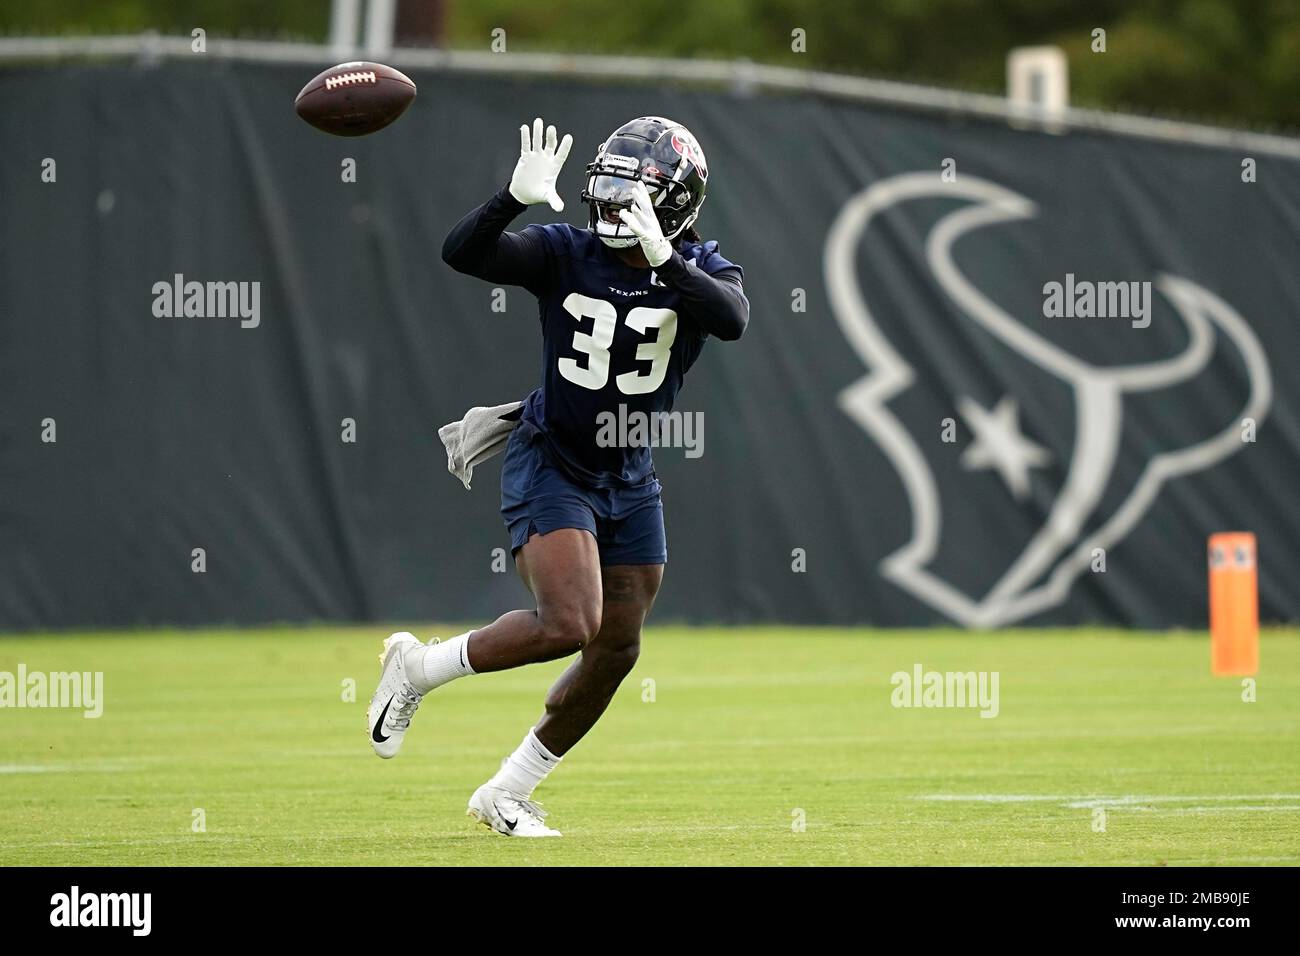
x=606, y=196
x=609, y=191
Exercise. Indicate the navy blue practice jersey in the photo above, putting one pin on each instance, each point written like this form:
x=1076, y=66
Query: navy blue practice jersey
x=616, y=339
x=612, y=335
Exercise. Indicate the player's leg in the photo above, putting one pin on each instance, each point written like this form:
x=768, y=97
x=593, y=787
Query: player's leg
x=630, y=536
x=585, y=689
x=573, y=705
x=561, y=568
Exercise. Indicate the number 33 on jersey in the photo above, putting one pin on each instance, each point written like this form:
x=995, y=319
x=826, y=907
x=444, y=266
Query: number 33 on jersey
x=612, y=335
x=661, y=323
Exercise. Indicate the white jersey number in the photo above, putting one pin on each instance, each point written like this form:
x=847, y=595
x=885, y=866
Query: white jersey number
x=596, y=345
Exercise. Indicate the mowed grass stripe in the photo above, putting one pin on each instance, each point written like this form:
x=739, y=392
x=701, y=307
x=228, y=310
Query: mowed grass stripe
x=749, y=729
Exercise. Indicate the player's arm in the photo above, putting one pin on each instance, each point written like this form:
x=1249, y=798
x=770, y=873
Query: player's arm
x=479, y=245
x=717, y=303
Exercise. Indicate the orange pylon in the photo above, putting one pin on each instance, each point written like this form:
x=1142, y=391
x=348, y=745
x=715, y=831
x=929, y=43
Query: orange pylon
x=1234, y=604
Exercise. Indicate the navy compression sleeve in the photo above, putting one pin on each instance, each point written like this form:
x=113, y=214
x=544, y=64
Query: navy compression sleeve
x=479, y=246
x=717, y=302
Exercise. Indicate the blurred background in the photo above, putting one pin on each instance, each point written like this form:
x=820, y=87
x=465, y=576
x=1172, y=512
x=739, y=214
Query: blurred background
x=1229, y=61
x=1019, y=469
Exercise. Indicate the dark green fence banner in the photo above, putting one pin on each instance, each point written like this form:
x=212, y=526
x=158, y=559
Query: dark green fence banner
x=992, y=376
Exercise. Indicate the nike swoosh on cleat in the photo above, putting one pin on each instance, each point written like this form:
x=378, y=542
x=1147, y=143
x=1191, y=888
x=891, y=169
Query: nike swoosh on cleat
x=374, y=734
x=510, y=824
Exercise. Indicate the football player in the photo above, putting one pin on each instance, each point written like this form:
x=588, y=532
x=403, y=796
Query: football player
x=625, y=307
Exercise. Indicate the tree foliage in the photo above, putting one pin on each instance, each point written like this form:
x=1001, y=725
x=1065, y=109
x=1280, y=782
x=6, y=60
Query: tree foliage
x=1234, y=61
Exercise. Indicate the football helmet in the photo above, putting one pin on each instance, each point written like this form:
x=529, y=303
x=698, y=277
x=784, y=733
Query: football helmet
x=658, y=152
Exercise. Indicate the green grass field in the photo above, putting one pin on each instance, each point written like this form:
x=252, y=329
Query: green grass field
x=747, y=728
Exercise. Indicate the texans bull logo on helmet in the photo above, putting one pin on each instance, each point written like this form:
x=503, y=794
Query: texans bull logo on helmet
x=685, y=144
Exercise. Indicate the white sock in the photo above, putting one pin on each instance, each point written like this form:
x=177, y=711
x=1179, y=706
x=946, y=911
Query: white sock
x=432, y=665
x=524, y=769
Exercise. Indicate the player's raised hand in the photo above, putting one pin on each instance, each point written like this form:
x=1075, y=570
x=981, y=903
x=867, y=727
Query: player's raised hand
x=539, y=166
x=641, y=219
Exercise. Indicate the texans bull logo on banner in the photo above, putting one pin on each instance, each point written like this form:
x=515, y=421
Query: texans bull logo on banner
x=1079, y=519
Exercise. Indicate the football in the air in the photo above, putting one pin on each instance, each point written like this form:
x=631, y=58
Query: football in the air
x=353, y=99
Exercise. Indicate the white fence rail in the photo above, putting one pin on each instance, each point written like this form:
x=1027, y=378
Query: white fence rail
x=738, y=75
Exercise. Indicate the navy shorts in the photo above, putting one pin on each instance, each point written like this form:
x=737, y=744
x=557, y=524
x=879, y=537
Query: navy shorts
x=538, y=497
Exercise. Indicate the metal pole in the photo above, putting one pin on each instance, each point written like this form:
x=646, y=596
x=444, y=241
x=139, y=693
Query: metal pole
x=380, y=16
x=343, y=27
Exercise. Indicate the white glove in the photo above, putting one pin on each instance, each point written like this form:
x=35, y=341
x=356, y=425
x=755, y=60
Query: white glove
x=539, y=167
x=643, y=222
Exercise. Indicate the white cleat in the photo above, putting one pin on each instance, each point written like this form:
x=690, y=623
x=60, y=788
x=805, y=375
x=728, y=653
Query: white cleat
x=394, y=700
x=504, y=812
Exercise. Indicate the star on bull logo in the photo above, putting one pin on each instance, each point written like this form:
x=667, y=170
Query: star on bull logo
x=1041, y=575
